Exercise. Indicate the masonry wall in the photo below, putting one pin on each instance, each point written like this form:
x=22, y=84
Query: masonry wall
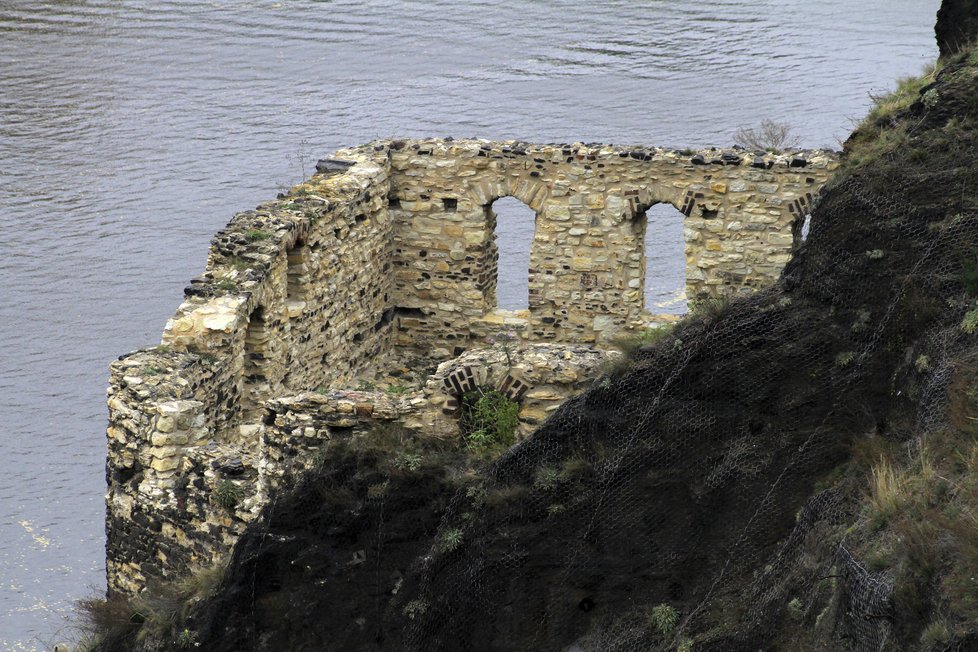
x=387, y=254
x=587, y=260
x=295, y=297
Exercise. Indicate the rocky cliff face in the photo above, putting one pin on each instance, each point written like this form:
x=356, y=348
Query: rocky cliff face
x=786, y=471
x=957, y=25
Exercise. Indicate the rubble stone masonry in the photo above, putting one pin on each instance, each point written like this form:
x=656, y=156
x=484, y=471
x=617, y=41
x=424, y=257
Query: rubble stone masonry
x=388, y=256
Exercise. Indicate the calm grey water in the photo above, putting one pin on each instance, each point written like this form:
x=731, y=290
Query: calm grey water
x=131, y=130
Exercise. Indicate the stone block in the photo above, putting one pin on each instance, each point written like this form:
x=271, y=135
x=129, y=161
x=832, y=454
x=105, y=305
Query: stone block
x=167, y=440
x=595, y=201
x=165, y=464
x=781, y=239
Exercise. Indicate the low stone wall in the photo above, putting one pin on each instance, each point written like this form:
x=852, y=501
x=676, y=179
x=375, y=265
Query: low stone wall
x=299, y=428
x=388, y=254
x=538, y=376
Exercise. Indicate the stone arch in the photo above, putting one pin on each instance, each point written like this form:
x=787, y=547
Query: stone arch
x=466, y=379
x=641, y=200
x=664, y=269
x=512, y=235
x=528, y=191
x=639, y=203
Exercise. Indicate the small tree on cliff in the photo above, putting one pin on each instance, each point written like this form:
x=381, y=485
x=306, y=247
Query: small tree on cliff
x=769, y=136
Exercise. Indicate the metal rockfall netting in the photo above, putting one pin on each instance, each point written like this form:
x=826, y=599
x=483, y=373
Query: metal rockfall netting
x=676, y=506
x=692, y=499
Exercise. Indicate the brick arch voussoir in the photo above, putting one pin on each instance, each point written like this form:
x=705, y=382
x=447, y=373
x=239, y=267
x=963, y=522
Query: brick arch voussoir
x=529, y=191
x=465, y=379
x=641, y=200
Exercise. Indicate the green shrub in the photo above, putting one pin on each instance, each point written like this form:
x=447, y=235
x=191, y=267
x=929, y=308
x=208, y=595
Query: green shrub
x=227, y=494
x=664, y=618
x=415, y=608
x=555, y=509
x=970, y=322
x=709, y=308
x=187, y=639
x=451, y=539
x=937, y=633
x=489, y=419
x=378, y=489
x=632, y=343
x=796, y=609
x=862, y=321
x=546, y=479
x=844, y=359
x=120, y=623
x=477, y=495
x=239, y=264
x=406, y=460
x=255, y=235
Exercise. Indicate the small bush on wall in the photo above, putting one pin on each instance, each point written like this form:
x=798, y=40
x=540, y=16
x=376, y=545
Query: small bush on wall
x=489, y=420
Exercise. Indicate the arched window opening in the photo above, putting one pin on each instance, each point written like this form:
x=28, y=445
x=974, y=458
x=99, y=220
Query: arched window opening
x=255, y=384
x=515, y=226
x=665, y=261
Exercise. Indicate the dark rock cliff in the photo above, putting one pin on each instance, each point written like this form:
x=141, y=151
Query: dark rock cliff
x=957, y=25
x=726, y=490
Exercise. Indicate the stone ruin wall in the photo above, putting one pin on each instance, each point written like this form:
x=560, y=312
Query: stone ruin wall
x=743, y=214
x=388, y=255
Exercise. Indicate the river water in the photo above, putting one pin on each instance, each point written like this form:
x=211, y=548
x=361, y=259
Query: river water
x=131, y=130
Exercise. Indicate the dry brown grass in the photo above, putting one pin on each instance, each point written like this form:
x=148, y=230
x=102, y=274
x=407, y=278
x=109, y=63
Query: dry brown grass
x=119, y=623
x=887, y=492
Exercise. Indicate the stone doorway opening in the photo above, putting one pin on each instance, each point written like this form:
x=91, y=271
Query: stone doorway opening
x=664, y=247
x=514, y=227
